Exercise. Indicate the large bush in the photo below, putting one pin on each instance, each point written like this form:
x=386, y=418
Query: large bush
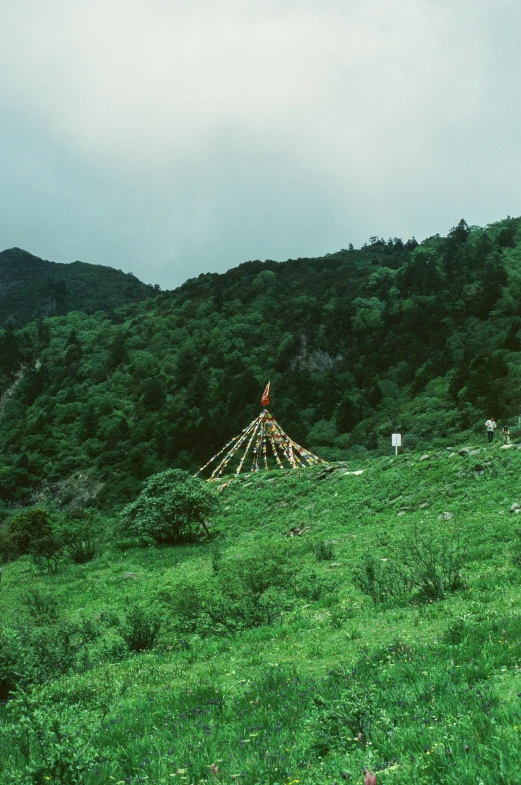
x=31, y=531
x=245, y=591
x=427, y=563
x=170, y=508
x=27, y=527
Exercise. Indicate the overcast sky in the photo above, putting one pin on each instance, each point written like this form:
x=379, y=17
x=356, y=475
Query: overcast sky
x=169, y=138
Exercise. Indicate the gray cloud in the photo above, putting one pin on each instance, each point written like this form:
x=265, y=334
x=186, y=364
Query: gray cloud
x=171, y=138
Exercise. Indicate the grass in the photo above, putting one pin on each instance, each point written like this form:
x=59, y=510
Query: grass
x=412, y=689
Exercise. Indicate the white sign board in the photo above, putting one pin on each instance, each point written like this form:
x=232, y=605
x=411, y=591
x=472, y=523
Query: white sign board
x=396, y=440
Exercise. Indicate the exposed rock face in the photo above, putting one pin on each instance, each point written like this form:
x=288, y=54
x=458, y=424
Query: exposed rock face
x=316, y=360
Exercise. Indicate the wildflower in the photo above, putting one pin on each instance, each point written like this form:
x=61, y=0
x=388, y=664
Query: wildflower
x=214, y=769
x=369, y=777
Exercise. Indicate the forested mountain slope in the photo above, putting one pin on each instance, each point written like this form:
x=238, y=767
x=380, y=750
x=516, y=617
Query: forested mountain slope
x=421, y=338
x=31, y=287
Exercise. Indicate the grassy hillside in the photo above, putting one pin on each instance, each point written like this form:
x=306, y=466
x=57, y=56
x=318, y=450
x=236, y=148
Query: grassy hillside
x=424, y=339
x=31, y=287
x=334, y=622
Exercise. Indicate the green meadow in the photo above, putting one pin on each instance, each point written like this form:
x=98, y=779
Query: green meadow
x=339, y=622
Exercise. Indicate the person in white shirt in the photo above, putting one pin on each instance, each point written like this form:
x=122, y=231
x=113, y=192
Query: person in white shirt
x=490, y=425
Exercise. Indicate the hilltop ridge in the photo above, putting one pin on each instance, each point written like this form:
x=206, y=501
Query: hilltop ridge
x=421, y=338
x=31, y=287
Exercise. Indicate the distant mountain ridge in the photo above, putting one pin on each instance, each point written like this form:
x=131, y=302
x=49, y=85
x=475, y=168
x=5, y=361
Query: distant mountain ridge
x=31, y=287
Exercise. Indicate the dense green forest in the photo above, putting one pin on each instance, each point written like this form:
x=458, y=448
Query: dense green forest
x=423, y=338
x=31, y=287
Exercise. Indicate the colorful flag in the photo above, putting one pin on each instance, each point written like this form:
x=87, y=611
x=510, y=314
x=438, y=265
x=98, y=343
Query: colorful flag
x=265, y=401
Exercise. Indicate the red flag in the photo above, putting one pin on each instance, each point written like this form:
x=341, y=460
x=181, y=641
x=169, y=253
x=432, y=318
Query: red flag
x=265, y=401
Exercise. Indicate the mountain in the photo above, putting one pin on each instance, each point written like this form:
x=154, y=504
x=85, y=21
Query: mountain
x=418, y=338
x=31, y=287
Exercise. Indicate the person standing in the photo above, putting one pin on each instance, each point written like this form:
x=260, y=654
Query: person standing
x=490, y=425
x=506, y=434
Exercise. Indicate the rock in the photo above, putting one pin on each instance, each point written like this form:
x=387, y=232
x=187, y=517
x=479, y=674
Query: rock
x=335, y=564
x=127, y=575
x=423, y=505
x=325, y=471
x=310, y=506
x=445, y=516
x=506, y=446
x=424, y=457
x=452, y=454
x=474, y=452
x=464, y=450
x=402, y=512
x=246, y=484
x=359, y=471
x=515, y=507
x=297, y=531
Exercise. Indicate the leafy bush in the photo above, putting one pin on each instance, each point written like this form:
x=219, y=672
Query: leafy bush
x=170, y=507
x=515, y=552
x=80, y=534
x=425, y=563
x=432, y=564
x=141, y=628
x=47, y=550
x=42, y=606
x=28, y=526
x=380, y=579
x=313, y=587
x=49, y=743
x=36, y=654
x=8, y=549
x=347, y=720
x=245, y=591
x=324, y=550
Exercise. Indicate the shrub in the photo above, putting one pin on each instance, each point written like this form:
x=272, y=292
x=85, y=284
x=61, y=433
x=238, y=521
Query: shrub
x=49, y=743
x=170, y=507
x=47, y=550
x=515, y=552
x=323, y=550
x=8, y=550
x=313, y=587
x=432, y=564
x=426, y=563
x=245, y=591
x=347, y=720
x=42, y=606
x=80, y=534
x=9, y=654
x=141, y=628
x=26, y=527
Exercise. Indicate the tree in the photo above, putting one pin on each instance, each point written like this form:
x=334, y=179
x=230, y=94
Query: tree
x=169, y=507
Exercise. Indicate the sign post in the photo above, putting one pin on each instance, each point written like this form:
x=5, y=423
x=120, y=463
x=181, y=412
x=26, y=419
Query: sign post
x=396, y=441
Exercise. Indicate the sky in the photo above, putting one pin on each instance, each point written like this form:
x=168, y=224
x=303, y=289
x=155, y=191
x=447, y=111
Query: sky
x=169, y=138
